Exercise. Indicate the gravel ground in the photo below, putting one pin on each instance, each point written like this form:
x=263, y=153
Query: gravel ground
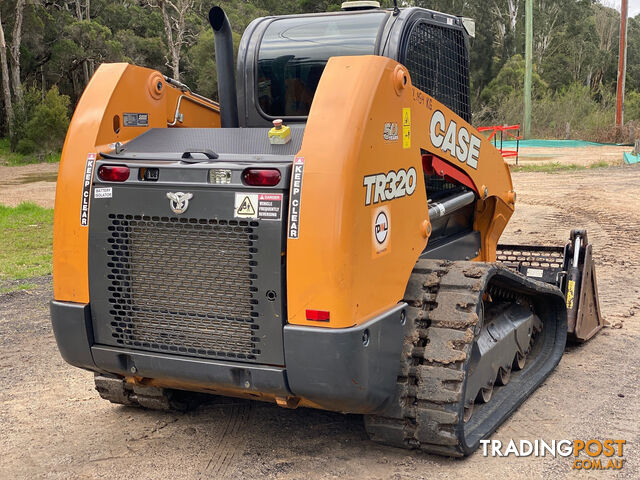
x=583, y=156
x=54, y=425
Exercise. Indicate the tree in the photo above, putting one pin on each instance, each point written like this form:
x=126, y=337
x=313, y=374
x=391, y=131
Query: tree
x=174, y=16
x=509, y=81
x=633, y=54
x=6, y=88
x=81, y=16
x=49, y=43
x=16, y=40
x=46, y=123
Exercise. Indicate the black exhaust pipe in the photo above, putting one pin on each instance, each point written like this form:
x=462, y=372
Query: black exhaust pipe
x=225, y=67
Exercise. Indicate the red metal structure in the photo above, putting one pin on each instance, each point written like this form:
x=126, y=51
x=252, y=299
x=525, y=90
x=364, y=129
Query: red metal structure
x=502, y=129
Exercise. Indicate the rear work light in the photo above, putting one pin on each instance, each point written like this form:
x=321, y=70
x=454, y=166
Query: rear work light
x=318, y=315
x=261, y=177
x=113, y=173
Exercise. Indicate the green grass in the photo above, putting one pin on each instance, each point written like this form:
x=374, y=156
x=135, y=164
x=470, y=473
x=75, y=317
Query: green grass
x=600, y=164
x=556, y=167
x=547, y=167
x=16, y=288
x=14, y=159
x=27, y=242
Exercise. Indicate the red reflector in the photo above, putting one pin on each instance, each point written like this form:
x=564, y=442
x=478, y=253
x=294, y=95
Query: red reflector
x=261, y=177
x=318, y=315
x=112, y=173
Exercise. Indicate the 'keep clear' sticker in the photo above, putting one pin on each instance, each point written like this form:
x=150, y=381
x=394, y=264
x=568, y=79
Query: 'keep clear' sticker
x=86, y=189
x=296, y=192
x=264, y=206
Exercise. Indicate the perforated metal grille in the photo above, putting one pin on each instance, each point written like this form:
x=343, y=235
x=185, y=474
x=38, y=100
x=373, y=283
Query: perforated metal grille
x=542, y=263
x=183, y=285
x=514, y=256
x=438, y=187
x=437, y=60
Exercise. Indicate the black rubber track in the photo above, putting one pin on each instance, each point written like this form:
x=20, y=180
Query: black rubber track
x=117, y=390
x=443, y=319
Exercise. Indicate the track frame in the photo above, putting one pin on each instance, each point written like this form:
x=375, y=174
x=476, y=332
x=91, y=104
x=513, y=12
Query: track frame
x=443, y=322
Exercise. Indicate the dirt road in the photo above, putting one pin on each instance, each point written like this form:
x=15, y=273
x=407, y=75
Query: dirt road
x=53, y=425
x=29, y=183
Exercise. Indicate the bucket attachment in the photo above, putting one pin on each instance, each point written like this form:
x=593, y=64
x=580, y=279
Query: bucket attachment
x=572, y=270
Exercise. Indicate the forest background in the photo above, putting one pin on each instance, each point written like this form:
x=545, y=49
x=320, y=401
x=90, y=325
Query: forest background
x=50, y=48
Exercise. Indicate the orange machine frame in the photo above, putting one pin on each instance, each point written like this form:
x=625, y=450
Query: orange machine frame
x=97, y=124
x=366, y=119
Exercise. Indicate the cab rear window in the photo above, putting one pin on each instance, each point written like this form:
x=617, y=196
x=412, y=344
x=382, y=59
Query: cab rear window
x=294, y=52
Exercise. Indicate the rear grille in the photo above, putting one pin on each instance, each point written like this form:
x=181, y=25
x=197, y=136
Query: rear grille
x=183, y=285
x=437, y=59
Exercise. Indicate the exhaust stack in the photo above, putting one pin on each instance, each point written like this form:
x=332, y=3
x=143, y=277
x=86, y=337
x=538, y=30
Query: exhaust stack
x=225, y=68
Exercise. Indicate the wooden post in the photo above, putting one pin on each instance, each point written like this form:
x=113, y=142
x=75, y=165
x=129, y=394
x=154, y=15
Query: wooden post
x=622, y=63
x=528, y=67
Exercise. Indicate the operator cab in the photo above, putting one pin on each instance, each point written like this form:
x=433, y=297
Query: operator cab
x=281, y=59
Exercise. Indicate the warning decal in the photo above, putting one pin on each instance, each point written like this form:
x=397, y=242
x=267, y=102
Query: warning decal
x=246, y=208
x=269, y=206
x=406, y=128
x=265, y=206
x=86, y=189
x=296, y=190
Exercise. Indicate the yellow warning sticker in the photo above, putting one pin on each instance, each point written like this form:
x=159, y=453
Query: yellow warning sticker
x=406, y=128
x=406, y=117
x=246, y=205
x=571, y=289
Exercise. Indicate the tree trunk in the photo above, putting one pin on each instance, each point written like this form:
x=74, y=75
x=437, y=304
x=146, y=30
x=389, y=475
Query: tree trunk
x=85, y=63
x=175, y=28
x=16, y=41
x=92, y=66
x=85, y=71
x=5, y=79
x=174, y=47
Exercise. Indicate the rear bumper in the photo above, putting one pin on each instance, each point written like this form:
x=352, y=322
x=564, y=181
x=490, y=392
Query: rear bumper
x=351, y=370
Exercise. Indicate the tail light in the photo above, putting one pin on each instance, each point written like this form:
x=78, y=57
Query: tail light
x=261, y=177
x=318, y=315
x=113, y=173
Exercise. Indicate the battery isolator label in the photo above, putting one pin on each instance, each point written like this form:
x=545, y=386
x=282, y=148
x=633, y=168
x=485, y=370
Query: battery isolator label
x=103, y=192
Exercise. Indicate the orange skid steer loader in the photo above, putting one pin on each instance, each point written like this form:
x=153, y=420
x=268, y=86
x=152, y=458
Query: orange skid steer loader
x=326, y=236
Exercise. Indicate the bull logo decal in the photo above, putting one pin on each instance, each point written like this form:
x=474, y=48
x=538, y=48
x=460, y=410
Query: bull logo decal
x=179, y=202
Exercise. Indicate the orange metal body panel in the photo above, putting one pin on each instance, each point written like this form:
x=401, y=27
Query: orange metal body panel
x=334, y=264
x=115, y=89
x=295, y=402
